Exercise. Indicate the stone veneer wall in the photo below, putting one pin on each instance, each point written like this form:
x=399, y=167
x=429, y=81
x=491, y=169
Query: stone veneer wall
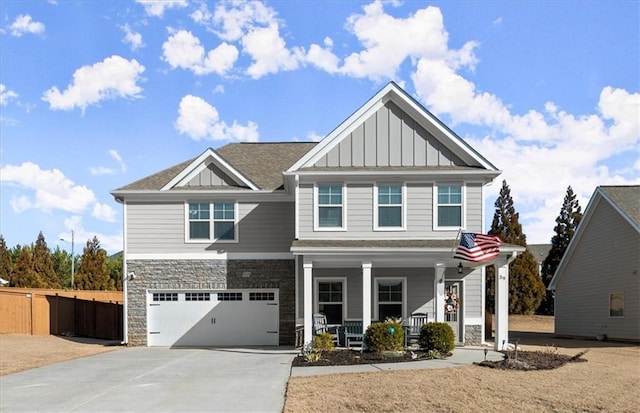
x=472, y=335
x=211, y=275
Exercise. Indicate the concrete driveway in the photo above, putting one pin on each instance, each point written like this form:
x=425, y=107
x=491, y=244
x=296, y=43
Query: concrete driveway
x=155, y=379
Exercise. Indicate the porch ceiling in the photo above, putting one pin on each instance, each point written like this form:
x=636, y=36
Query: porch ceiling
x=388, y=253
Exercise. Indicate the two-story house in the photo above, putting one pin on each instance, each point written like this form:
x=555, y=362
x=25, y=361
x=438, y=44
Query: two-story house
x=244, y=243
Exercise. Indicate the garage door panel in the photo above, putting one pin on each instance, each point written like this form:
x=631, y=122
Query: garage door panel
x=236, y=320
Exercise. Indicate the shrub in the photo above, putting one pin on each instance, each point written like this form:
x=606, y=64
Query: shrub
x=437, y=336
x=323, y=342
x=385, y=336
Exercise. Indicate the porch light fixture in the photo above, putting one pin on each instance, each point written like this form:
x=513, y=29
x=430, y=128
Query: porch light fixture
x=460, y=267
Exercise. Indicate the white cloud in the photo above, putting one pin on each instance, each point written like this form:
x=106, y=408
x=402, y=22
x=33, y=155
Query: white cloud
x=111, y=243
x=6, y=95
x=269, y=52
x=389, y=41
x=199, y=120
x=52, y=190
x=114, y=77
x=101, y=170
x=323, y=57
x=157, y=8
x=185, y=51
x=23, y=24
x=238, y=18
x=133, y=39
x=103, y=212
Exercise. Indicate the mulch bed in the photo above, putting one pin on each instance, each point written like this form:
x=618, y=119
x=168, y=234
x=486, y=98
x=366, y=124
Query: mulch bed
x=532, y=360
x=349, y=357
x=522, y=360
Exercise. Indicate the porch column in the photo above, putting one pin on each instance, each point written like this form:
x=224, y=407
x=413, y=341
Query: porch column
x=502, y=307
x=308, y=301
x=438, y=288
x=366, y=295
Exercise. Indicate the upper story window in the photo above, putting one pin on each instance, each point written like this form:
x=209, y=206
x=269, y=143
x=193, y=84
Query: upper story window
x=330, y=206
x=449, y=205
x=389, y=208
x=215, y=221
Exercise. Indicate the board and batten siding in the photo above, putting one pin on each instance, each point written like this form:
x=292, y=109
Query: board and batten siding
x=360, y=215
x=390, y=137
x=160, y=228
x=603, y=262
x=210, y=176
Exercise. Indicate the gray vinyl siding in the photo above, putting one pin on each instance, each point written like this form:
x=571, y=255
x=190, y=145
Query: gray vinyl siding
x=420, y=295
x=389, y=137
x=211, y=176
x=360, y=214
x=160, y=228
x=606, y=260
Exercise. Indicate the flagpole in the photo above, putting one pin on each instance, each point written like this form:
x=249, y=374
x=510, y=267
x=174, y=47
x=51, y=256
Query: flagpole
x=456, y=242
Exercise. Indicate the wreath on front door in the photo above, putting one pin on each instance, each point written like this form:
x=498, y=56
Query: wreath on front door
x=451, y=302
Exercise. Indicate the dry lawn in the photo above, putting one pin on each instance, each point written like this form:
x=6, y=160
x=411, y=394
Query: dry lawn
x=608, y=382
x=19, y=352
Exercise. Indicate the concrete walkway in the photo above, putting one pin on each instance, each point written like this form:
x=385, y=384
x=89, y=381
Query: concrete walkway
x=462, y=356
x=143, y=379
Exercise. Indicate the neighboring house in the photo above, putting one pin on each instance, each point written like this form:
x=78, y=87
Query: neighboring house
x=597, y=284
x=539, y=252
x=244, y=243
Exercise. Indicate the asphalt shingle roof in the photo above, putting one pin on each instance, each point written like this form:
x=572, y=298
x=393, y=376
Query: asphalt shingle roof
x=262, y=163
x=627, y=198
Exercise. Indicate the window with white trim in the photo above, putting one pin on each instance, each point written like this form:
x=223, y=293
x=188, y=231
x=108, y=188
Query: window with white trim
x=389, y=207
x=330, y=206
x=331, y=297
x=449, y=206
x=390, y=295
x=215, y=221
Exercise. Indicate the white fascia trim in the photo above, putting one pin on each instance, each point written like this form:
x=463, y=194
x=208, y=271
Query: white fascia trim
x=346, y=127
x=211, y=256
x=198, y=164
x=463, y=173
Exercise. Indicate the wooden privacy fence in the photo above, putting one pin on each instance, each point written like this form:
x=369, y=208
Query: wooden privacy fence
x=44, y=312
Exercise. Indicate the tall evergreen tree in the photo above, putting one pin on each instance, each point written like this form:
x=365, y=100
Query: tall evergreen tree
x=114, y=265
x=526, y=289
x=23, y=274
x=61, y=260
x=5, y=260
x=43, y=265
x=566, y=224
x=93, y=273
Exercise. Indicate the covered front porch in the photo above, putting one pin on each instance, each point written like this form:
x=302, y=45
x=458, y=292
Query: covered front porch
x=375, y=280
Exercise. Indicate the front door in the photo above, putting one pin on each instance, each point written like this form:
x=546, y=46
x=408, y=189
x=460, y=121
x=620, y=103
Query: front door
x=453, y=307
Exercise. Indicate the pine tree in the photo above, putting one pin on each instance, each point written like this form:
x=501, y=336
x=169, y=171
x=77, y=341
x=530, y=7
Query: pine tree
x=566, y=224
x=42, y=264
x=5, y=261
x=23, y=274
x=114, y=265
x=526, y=289
x=61, y=260
x=93, y=273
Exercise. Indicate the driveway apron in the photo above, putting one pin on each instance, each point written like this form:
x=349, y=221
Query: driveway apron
x=155, y=379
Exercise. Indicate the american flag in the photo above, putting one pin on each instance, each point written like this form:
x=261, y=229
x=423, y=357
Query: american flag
x=477, y=247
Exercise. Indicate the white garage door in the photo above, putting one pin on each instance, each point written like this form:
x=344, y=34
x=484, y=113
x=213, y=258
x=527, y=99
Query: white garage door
x=212, y=318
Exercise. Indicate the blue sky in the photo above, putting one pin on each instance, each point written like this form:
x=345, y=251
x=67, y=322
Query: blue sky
x=95, y=95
